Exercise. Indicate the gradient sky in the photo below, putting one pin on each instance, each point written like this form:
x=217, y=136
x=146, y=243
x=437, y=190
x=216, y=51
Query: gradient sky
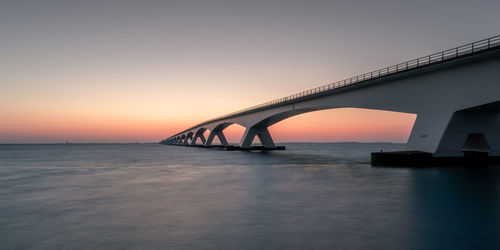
x=126, y=71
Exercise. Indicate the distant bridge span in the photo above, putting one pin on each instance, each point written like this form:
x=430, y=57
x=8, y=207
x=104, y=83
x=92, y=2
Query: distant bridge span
x=454, y=93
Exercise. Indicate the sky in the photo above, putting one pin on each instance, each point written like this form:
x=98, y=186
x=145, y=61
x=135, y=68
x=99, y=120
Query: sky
x=127, y=71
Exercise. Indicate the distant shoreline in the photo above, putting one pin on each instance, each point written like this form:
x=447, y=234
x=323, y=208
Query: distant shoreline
x=132, y=143
x=79, y=143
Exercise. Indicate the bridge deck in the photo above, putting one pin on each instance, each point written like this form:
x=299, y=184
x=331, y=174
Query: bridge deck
x=471, y=49
x=467, y=50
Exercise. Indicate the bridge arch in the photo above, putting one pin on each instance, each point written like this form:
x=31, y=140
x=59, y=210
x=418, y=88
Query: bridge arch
x=259, y=127
x=199, y=134
x=278, y=117
x=217, y=130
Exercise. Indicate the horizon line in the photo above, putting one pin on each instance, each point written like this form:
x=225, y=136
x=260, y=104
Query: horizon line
x=87, y=143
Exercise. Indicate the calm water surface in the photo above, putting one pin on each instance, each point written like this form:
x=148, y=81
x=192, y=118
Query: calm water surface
x=311, y=196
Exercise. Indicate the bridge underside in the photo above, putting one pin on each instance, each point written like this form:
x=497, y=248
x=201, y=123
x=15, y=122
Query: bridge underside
x=447, y=134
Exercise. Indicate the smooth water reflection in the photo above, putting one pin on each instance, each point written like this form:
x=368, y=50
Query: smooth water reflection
x=311, y=196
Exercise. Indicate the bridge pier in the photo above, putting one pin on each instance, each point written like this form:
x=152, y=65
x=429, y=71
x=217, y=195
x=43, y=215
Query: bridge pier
x=451, y=134
x=427, y=131
x=189, y=139
x=264, y=136
x=216, y=132
x=199, y=134
x=471, y=131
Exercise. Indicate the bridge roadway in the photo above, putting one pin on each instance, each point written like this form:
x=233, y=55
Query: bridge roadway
x=454, y=93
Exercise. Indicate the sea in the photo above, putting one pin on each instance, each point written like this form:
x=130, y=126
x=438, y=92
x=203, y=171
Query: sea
x=310, y=196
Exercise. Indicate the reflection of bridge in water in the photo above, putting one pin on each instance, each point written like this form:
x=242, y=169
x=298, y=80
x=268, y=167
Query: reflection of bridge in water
x=455, y=94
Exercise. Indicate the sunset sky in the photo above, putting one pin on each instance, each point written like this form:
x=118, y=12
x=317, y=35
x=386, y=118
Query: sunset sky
x=127, y=71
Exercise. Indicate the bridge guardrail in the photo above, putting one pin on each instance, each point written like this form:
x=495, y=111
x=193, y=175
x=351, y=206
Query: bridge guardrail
x=459, y=51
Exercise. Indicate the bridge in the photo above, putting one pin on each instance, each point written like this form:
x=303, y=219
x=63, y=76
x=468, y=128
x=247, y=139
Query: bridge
x=454, y=93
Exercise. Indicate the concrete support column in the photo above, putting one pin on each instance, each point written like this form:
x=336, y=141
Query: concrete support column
x=261, y=132
x=471, y=123
x=202, y=138
x=219, y=134
x=427, y=131
x=189, y=138
x=445, y=134
x=199, y=134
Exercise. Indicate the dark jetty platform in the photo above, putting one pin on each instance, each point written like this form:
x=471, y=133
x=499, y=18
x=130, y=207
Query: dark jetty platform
x=238, y=148
x=424, y=159
x=254, y=148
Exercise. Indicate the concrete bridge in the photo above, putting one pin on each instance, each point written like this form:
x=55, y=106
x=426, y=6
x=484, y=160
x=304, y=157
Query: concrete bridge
x=454, y=93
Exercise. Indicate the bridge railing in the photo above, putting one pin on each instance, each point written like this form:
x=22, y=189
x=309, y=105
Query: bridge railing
x=459, y=51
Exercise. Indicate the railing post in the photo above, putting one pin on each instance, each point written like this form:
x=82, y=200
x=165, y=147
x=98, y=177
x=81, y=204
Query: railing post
x=456, y=52
x=489, y=40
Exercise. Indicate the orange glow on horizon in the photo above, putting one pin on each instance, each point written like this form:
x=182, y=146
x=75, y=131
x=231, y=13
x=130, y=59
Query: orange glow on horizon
x=335, y=125
x=88, y=129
